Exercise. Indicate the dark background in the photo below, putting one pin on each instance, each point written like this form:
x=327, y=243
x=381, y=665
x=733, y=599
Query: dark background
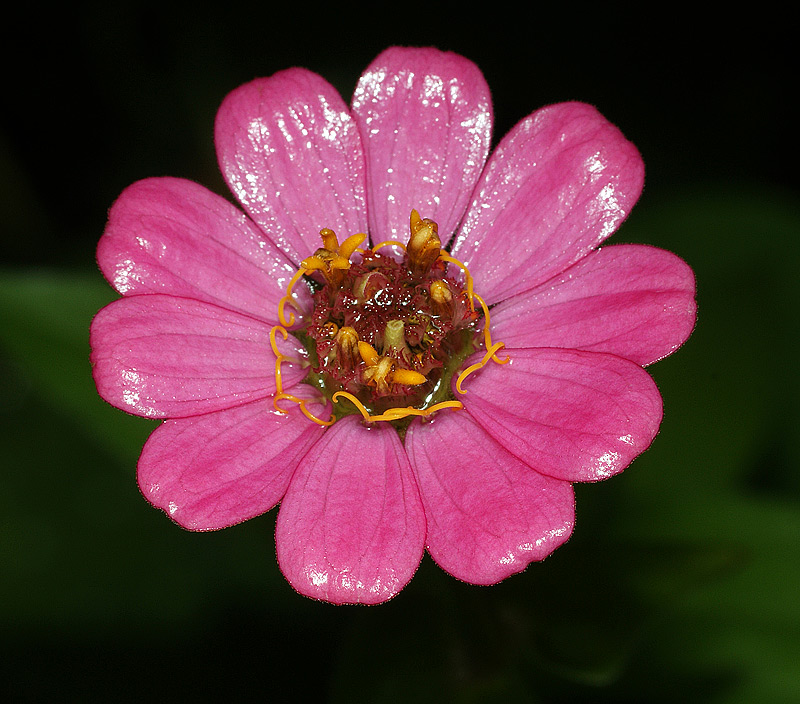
x=681, y=580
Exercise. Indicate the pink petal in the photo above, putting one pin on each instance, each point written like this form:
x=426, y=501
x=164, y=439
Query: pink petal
x=425, y=118
x=573, y=415
x=559, y=183
x=169, y=235
x=489, y=515
x=291, y=154
x=351, y=527
x=630, y=300
x=163, y=356
x=218, y=469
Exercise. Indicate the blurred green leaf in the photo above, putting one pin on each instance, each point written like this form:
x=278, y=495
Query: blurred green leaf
x=729, y=394
x=45, y=337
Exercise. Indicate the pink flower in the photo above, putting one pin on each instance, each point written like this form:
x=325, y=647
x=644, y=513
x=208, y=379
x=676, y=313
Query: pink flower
x=487, y=487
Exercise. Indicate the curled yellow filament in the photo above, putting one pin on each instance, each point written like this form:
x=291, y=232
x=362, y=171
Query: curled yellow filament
x=387, y=244
x=302, y=403
x=288, y=298
x=395, y=413
x=479, y=365
x=279, y=393
x=278, y=356
x=467, y=275
x=487, y=336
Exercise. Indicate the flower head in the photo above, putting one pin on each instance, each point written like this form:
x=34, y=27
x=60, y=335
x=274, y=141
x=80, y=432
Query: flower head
x=408, y=343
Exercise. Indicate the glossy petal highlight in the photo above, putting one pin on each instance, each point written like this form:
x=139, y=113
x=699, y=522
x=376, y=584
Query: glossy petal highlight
x=573, y=415
x=558, y=184
x=489, y=515
x=173, y=236
x=222, y=468
x=351, y=527
x=634, y=301
x=168, y=357
x=291, y=154
x=425, y=118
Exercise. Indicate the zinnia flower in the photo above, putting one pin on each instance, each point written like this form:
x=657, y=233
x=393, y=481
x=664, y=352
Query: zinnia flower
x=442, y=391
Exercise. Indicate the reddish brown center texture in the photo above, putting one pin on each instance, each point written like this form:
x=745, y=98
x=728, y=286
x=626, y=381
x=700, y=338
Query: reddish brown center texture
x=417, y=321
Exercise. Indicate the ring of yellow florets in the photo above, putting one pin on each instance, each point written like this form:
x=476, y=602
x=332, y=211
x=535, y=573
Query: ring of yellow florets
x=385, y=336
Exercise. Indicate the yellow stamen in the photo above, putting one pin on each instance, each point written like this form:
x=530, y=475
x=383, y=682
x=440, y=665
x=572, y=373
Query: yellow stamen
x=381, y=369
x=329, y=239
x=378, y=374
x=423, y=243
x=347, y=341
x=479, y=365
x=331, y=243
x=368, y=353
x=440, y=292
x=351, y=244
x=332, y=258
x=325, y=262
x=407, y=377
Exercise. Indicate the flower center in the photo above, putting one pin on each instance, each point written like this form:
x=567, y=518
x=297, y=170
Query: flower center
x=386, y=335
